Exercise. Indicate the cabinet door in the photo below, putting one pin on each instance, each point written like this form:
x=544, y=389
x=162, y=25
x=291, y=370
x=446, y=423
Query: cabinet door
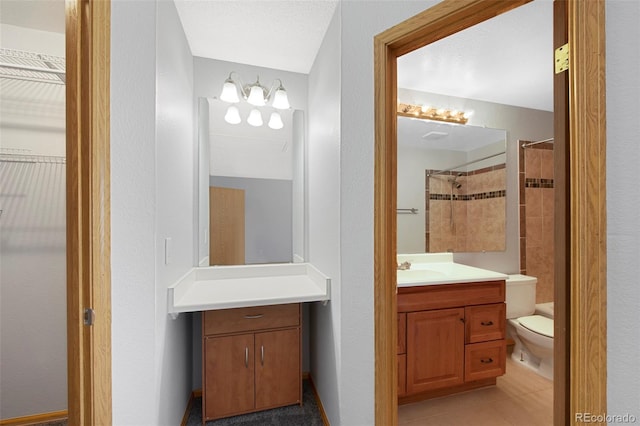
x=228, y=375
x=435, y=349
x=278, y=374
x=402, y=374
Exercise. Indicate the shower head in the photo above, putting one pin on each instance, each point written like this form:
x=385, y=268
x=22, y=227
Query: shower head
x=454, y=182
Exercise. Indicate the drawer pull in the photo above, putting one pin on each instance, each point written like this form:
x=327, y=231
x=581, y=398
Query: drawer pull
x=486, y=361
x=246, y=357
x=486, y=323
x=262, y=355
x=253, y=316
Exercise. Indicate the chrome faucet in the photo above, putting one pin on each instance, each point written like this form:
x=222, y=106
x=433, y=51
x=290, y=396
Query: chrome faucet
x=404, y=266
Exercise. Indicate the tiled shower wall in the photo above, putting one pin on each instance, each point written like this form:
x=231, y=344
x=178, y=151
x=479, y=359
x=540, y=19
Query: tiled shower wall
x=477, y=221
x=537, y=217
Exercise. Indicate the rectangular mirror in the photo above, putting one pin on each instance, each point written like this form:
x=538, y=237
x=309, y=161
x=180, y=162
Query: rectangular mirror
x=251, y=188
x=451, y=187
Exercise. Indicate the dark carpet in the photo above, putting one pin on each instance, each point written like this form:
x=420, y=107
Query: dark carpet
x=294, y=415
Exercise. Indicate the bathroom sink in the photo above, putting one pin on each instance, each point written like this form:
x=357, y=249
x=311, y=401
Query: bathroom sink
x=417, y=275
x=431, y=269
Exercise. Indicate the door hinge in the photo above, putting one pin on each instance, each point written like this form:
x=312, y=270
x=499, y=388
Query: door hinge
x=89, y=316
x=562, y=58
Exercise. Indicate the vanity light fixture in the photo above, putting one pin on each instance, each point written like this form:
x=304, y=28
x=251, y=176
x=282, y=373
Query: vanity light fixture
x=275, y=121
x=256, y=94
x=433, y=113
x=233, y=115
x=255, y=118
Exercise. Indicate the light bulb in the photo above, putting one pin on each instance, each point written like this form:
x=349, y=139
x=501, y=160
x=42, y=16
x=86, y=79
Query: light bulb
x=233, y=115
x=229, y=92
x=280, y=99
x=255, y=118
x=275, y=121
x=256, y=95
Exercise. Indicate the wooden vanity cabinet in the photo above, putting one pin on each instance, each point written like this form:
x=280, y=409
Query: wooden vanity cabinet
x=251, y=359
x=455, y=338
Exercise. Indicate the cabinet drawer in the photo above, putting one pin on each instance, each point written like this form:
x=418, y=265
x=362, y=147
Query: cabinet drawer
x=485, y=360
x=422, y=298
x=253, y=318
x=484, y=322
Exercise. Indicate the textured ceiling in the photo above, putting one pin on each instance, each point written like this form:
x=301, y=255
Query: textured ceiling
x=506, y=60
x=283, y=35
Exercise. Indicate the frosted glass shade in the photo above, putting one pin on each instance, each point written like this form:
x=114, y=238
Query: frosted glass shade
x=256, y=96
x=233, y=115
x=229, y=92
x=275, y=121
x=280, y=99
x=255, y=118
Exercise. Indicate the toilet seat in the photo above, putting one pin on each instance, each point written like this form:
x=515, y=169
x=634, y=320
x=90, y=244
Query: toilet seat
x=538, y=324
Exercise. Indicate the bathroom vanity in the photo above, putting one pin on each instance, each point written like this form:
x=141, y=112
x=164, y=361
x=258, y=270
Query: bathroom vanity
x=251, y=332
x=451, y=328
x=251, y=359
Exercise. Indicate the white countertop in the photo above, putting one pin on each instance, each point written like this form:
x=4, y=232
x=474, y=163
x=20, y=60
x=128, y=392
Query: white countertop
x=224, y=287
x=439, y=268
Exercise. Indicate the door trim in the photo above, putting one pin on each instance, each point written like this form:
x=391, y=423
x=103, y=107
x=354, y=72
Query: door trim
x=586, y=251
x=87, y=38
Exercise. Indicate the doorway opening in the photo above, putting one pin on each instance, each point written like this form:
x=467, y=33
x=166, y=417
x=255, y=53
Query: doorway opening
x=580, y=259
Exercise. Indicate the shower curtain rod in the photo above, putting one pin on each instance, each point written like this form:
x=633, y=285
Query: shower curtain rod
x=466, y=164
x=528, y=144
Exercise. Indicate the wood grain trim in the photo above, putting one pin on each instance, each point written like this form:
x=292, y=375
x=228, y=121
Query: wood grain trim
x=562, y=218
x=587, y=190
x=88, y=210
x=385, y=301
x=35, y=419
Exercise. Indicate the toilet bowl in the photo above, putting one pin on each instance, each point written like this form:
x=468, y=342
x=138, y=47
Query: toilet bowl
x=530, y=328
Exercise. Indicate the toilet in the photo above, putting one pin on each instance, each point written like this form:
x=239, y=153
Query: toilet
x=530, y=326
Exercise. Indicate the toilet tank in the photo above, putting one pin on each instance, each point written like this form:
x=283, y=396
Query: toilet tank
x=521, y=295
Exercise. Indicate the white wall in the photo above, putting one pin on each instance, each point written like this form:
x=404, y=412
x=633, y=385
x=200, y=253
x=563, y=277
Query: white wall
x=341, y=204
x=153, y=198
x=33, y=337
x=176, y=189
x=623, y=206
x=323, y=172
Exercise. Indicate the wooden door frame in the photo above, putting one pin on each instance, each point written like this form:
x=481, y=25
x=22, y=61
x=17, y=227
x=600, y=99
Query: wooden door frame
x=87, y=38
x=584, y=257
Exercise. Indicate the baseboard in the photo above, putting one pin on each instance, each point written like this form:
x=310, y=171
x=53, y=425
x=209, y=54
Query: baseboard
x=35, y=419
x=323, y=414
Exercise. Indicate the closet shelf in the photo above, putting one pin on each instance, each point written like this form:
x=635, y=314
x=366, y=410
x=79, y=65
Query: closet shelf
x=21, y=65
